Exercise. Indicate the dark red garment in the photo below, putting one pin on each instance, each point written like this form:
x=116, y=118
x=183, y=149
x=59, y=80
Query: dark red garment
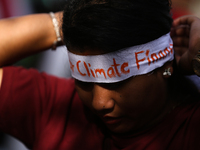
x=45, y=113
x=5, y=8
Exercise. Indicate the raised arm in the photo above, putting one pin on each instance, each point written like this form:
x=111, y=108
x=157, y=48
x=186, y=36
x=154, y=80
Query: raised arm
x=23, y=36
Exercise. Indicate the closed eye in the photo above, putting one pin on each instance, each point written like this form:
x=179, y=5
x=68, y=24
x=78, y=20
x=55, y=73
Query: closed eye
x=114, y=86
x=84, y=85
x=111, y=86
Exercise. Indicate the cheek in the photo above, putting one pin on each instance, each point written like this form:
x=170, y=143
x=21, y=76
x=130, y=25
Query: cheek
x=132, y=104
x=140, y=101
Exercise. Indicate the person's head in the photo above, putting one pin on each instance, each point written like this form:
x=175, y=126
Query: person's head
x=111, y=25
x=92, y=27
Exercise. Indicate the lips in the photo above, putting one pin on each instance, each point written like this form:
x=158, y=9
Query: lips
x=112, y=120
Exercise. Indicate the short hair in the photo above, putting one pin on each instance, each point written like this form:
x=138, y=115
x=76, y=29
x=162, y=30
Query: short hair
x=111, y=25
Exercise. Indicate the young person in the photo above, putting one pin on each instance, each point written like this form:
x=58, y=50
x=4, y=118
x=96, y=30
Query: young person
x=127, y=92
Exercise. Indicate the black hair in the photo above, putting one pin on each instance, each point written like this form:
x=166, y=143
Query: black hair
x=111, y=25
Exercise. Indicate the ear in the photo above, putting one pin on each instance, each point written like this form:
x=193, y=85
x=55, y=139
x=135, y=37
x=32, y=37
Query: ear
x=167, y=69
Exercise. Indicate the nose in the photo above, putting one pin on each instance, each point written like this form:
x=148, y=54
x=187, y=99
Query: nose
x=102, y=98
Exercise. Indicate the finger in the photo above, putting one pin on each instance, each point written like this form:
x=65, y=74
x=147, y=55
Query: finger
x=181, y=41
x=179, y=51
x=194, y=24
x=184, y=20
x=182, y=30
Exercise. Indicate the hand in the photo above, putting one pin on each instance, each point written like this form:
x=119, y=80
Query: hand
x=185, y=33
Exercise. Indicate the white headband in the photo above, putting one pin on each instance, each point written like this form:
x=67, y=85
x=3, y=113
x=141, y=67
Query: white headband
x=122, y=64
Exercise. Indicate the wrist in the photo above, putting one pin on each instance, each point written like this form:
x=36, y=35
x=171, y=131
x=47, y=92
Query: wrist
x=56, y=21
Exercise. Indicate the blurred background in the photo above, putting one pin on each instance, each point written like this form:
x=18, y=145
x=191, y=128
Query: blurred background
x=56, y=62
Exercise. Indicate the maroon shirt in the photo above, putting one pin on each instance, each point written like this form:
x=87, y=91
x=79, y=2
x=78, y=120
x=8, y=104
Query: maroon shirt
x=45, y=113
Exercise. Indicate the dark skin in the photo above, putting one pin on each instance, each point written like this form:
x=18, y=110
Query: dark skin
x=137, y=110
x=186, y=37
x=125, y=101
